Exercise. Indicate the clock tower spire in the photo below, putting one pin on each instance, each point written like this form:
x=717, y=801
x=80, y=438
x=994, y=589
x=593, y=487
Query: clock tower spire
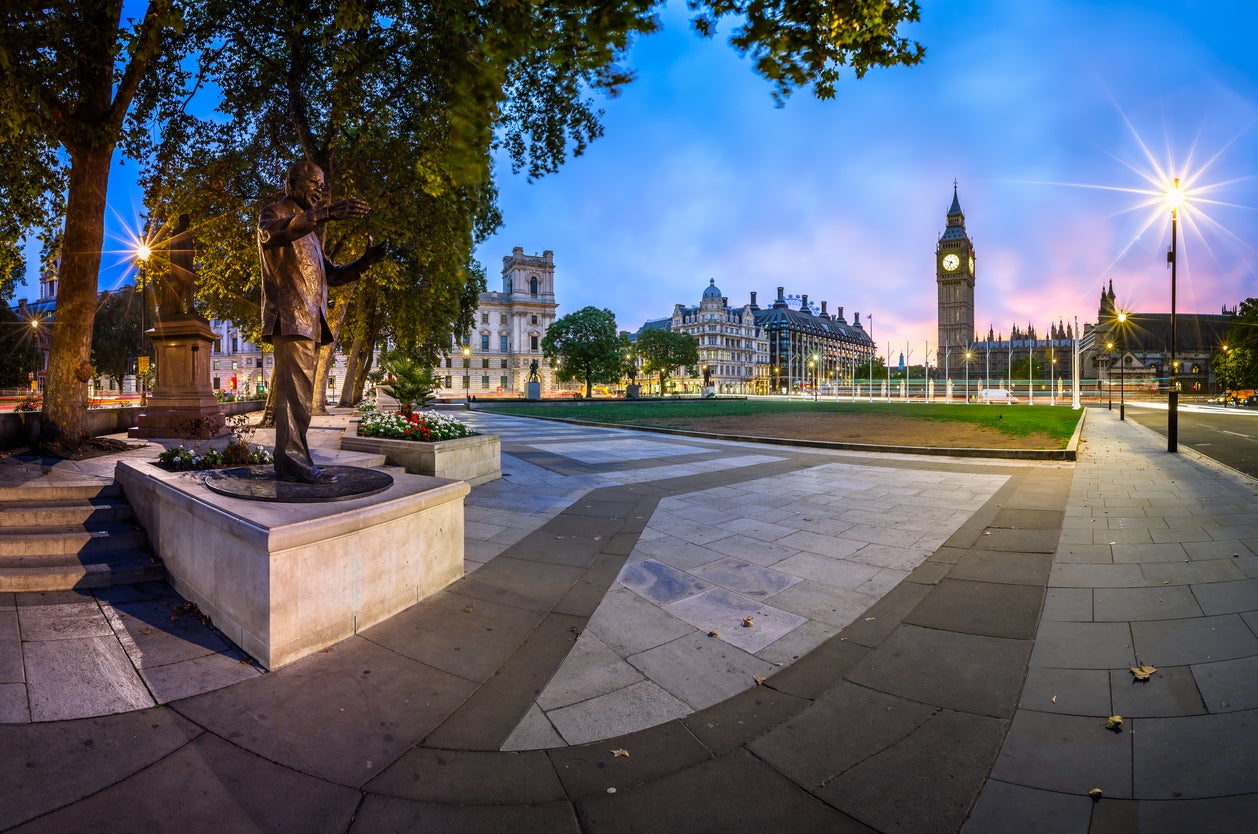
x=954, y=275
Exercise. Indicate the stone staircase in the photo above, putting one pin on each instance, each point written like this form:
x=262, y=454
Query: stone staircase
x=71, y=536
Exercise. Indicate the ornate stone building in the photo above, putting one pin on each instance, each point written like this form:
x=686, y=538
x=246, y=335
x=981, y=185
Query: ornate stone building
x=773, y=350
x=494, y=358
x=732, y=347
x=811, y=351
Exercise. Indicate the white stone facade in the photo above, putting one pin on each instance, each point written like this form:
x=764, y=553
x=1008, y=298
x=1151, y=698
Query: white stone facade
x=493, y=360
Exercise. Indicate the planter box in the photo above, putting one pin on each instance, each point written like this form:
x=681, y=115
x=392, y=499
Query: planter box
x=474, y=459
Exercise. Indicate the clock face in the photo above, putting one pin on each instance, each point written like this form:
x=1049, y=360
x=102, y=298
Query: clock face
x=971, y=264
x=951, y=262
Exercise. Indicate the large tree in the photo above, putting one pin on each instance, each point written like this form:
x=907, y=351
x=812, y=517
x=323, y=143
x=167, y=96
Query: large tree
x=586, y=346
x=69, y=72
x=401, y=102
x=663, y=351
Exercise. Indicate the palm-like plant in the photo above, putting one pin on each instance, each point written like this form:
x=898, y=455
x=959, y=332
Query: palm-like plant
x=409, y=382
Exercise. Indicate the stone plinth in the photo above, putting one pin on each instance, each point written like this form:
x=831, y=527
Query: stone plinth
x=474, y=459
x=182, y=390
x=534, y=391
x=286, y=580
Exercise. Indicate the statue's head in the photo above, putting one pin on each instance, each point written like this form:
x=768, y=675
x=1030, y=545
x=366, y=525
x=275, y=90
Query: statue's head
x=304, y=183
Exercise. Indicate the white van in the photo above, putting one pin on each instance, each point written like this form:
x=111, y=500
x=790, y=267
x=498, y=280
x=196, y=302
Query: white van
x=997, y=395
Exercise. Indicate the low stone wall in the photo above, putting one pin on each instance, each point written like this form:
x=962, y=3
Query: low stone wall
x=22, y=428
x=285, y=580
x=474, y=459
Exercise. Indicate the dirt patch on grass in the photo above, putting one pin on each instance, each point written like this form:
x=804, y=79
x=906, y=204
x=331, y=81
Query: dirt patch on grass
x=864, y=428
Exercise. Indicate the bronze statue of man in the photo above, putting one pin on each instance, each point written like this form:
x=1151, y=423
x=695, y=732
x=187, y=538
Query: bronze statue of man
x=295, y=281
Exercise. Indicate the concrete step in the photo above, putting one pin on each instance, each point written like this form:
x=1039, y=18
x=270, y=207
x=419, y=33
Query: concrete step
x=98, y=570
x=64, y=512
x=52, y=540
x=36, y=491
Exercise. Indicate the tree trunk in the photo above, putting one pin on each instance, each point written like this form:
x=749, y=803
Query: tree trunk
x=327, y=353
x=69, y=363
x=369, y=358
x=351, y=374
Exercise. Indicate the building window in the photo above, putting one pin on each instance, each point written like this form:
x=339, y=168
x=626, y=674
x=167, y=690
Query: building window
x=235, y=345
x=484, y=341
x=502, y=318
x=484, y=318
x=218, y=348
x=448, y=381
x=533, y=319
x=484, y=363
x=503, y=363
x=502, y=344
x=215, y=381
x=533, y=285
x=502, y=381
x=484, y=381
x=532, y=343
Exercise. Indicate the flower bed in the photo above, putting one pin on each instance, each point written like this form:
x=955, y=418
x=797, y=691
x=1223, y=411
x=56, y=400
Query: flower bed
x=428, y=443
x=181, y=459
x=426, y=426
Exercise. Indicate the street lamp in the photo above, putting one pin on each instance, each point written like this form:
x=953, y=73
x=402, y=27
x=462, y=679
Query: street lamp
x=1109, y=346
x=1174, y=199
x=467, y=379
x=967, y=375
x=142, y=253
x=812, y=364
x=1122, y=370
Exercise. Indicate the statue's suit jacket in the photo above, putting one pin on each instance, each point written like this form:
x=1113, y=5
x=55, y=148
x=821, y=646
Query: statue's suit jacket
x=295, y=274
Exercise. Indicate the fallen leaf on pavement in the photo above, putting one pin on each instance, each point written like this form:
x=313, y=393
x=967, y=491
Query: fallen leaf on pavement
x=620, y=751
x=1054, y=699
x=748, y=622
x=759, y=679
x=1115, y=723
x=468, y=610
x=714, y=634
x=1142, y=672
x=1095, y=793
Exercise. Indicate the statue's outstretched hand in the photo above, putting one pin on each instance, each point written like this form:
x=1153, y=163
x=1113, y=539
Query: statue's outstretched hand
x=348, y=209
x=374, y=253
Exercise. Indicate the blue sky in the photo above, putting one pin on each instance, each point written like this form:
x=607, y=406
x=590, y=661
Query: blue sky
x=1047, y=114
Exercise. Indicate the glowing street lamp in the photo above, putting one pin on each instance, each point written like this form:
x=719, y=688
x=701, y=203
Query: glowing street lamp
x=968, y=356
x=142, y=253
x=1109, y=346
x=1174, y=199
x=1122, y=370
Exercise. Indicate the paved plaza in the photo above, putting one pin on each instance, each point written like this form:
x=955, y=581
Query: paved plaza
x=671, y=633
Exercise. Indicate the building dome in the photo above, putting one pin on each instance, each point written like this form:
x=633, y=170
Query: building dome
x=712, y=293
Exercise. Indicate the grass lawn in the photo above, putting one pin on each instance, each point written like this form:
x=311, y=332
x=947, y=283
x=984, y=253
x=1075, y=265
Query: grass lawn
x=1057, y=422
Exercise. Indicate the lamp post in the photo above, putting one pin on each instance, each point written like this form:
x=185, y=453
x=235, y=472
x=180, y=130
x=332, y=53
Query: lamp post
x=968, y=354
x=812, y=366
x=467, y=370
x=142, y=254
x=1109, y=346
x=1174, y=198
x=1122, y=370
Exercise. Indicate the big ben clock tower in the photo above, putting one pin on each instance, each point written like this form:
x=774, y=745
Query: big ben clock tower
x=954, y=273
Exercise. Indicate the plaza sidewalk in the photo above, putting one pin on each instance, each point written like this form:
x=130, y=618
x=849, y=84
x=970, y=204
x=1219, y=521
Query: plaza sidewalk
x=932, y=644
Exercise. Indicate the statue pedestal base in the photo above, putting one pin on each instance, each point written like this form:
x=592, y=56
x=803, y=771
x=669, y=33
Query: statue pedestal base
x=181, y=395
x=534, y=391
x=633, y=391
x=708, y=392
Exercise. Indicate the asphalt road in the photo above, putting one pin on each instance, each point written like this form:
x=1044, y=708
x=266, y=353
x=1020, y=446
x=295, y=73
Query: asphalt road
x=1229, y=435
